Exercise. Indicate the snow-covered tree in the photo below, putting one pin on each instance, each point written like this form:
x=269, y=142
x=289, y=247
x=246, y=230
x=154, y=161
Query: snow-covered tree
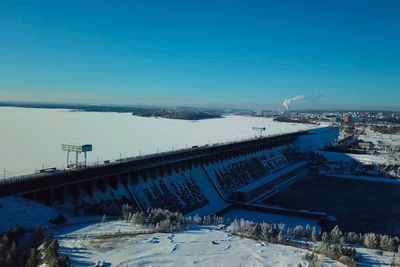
x=353, y=238
x=235, y=227
x=371, y=240
x=314, y=235
x=266, y=233
x=387, y=243
x=307, y=232
x=298, y=232
x=197, y=219
x=325, y=237
x=137, y=218
x=281, y=237
x=335, y=235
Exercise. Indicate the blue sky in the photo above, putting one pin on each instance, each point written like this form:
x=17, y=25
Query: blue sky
x=339, y=54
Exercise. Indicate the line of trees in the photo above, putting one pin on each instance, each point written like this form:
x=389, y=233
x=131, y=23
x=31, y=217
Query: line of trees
x=331, y=245
x=163, y=220
x=385, y=129
x=368, y=240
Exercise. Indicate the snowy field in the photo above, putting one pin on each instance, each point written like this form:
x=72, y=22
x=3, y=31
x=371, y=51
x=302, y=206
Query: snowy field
x=380, y=141
x=31, y=138
x=200, y=247
x=386, y=139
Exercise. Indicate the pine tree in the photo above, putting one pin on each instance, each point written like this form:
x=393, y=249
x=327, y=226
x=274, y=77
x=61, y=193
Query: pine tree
x=257, y=230
x=307, y=232
x=281, y=238
x=34, y=258
x=298, y=232
x=371, y=241
x=387, y=243
x=325, y=237
x=235, y=227
x=138, y=218
x=289, y=232
x=314, y=235
x=336, y=234
x=393, y=263
x=265, y=231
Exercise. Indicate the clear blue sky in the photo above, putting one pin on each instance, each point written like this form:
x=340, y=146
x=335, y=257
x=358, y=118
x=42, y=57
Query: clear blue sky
x=339, y=54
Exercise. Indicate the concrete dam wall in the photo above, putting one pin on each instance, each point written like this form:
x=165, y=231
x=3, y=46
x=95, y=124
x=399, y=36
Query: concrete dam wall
x=193, y=181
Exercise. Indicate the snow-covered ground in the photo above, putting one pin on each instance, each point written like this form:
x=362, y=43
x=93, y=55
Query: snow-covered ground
x=386, y=139
x=382, y=143
x=364, y=158
x=84, y=241
x=29, y=214
x=24, y=212
x=31, y=138
x=203, y=246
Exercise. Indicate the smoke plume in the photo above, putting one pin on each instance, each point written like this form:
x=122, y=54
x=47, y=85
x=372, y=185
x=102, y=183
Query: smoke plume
x=286, y=103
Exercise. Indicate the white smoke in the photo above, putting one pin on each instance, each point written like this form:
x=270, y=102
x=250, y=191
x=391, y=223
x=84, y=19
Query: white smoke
x=286, y=103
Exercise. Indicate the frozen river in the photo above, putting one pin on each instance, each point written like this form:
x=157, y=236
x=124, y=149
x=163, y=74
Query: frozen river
x=31, y=139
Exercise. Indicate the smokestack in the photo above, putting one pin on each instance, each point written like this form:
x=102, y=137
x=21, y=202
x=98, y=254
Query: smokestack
x=286, y=103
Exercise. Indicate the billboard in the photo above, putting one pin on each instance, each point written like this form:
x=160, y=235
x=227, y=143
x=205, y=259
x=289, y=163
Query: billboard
x=77, y=148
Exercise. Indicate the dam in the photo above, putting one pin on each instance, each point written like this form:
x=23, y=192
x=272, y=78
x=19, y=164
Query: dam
x=200, y=180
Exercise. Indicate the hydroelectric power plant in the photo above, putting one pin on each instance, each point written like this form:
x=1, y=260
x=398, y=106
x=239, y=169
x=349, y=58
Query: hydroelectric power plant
x=200, y=180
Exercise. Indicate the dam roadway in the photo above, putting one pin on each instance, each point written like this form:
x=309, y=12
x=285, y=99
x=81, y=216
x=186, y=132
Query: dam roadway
x=130, y=169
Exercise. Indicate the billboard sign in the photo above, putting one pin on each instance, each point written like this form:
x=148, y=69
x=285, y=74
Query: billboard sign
x=77, y=148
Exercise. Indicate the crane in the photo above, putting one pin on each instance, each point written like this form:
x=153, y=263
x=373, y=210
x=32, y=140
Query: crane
x=260, y=130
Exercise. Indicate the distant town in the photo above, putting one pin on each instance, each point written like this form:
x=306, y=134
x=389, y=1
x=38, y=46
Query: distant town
x=194, y=113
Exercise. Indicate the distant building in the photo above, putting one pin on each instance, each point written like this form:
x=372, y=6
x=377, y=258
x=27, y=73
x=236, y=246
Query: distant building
x=346, y=118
